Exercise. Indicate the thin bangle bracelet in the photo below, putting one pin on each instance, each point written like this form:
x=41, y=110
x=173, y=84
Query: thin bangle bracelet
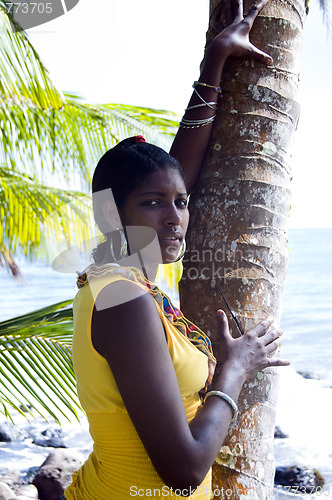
x=226, y=398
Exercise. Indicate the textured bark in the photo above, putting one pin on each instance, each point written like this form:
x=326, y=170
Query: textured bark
x=238, y=230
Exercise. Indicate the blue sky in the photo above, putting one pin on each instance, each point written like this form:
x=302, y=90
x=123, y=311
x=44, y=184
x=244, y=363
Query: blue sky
x=148, y=53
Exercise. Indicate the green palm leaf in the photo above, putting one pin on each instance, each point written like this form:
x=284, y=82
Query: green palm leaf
x=36, y=366
x=25, y=206
x=23, y=75
x=158, y=125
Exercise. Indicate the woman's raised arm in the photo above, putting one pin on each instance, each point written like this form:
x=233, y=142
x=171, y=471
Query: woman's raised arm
x=192, y=138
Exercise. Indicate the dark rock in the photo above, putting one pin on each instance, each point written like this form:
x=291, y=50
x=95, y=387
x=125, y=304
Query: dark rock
x=55, y=473
x=278, y=434
x=8, y=432
x=303, y=479
x=50, y=438
x=26, y=408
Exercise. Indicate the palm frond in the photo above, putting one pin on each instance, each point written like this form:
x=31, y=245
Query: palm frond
x=158, y=125
x=36, y=365
x=72, y=139
x=25, y=208
x=23, y=75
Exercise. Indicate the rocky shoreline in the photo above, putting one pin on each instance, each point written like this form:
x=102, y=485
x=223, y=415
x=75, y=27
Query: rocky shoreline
x=48, y=481
x=44, y=441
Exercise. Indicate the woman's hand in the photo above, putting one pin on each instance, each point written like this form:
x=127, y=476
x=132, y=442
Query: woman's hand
x=234, y=39
x=250, y=353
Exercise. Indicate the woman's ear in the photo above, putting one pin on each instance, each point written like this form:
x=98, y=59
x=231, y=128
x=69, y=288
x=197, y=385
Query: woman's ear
x=111, y=215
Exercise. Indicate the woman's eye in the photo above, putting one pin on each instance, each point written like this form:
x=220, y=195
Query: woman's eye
x=182, y=203
x=150, y=203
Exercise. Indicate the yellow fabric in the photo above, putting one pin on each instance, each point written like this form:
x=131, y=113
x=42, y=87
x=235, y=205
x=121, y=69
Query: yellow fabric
x=119, y=467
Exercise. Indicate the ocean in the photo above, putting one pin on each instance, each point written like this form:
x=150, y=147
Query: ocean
x=305, y=404
x=305, y=396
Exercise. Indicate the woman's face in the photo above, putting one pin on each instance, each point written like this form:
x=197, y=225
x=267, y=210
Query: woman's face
x=161, y=204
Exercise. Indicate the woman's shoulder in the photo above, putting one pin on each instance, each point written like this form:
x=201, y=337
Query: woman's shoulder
x=110, y=284
x=111, y=272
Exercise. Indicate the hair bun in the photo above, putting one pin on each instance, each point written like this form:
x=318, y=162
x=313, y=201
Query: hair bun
x=139, y=138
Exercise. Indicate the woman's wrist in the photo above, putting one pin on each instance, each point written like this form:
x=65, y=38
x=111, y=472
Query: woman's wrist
x=230, y=380
x=228, y=400
x=213, y=65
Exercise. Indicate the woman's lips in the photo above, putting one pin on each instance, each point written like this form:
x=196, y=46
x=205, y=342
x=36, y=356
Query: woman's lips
x=170, y=241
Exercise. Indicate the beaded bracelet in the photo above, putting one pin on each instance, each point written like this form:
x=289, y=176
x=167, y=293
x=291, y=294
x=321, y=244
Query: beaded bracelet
x=226, y=398
x=216, y=88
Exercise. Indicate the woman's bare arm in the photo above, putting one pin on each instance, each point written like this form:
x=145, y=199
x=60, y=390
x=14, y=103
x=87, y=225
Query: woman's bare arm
x=190, y=144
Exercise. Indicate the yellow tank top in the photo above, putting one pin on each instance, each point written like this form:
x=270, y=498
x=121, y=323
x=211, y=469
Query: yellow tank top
x=119, y=466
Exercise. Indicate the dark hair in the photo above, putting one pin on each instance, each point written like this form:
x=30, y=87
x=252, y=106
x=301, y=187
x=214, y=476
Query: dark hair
x=123, y=169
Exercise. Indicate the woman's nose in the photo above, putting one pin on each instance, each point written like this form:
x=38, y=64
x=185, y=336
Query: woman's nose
x=172, y=216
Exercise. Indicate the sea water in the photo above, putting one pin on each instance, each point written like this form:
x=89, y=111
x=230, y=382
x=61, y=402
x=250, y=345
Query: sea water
x=307, y=307
x=304, y=409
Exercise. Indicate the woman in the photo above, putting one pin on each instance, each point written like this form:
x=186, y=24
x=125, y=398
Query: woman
x=141, y=367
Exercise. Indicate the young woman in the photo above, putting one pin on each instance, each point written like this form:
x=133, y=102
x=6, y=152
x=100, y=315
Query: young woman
x=142, y=367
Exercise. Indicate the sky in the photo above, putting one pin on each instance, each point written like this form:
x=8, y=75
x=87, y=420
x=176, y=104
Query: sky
x=148, y=53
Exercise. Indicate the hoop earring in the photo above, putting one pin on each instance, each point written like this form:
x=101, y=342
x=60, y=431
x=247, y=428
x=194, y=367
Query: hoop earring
x=182, y=251
x=117, y=240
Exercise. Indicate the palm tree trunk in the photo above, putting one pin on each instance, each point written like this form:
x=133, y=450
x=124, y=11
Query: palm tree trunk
x=238, y=228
